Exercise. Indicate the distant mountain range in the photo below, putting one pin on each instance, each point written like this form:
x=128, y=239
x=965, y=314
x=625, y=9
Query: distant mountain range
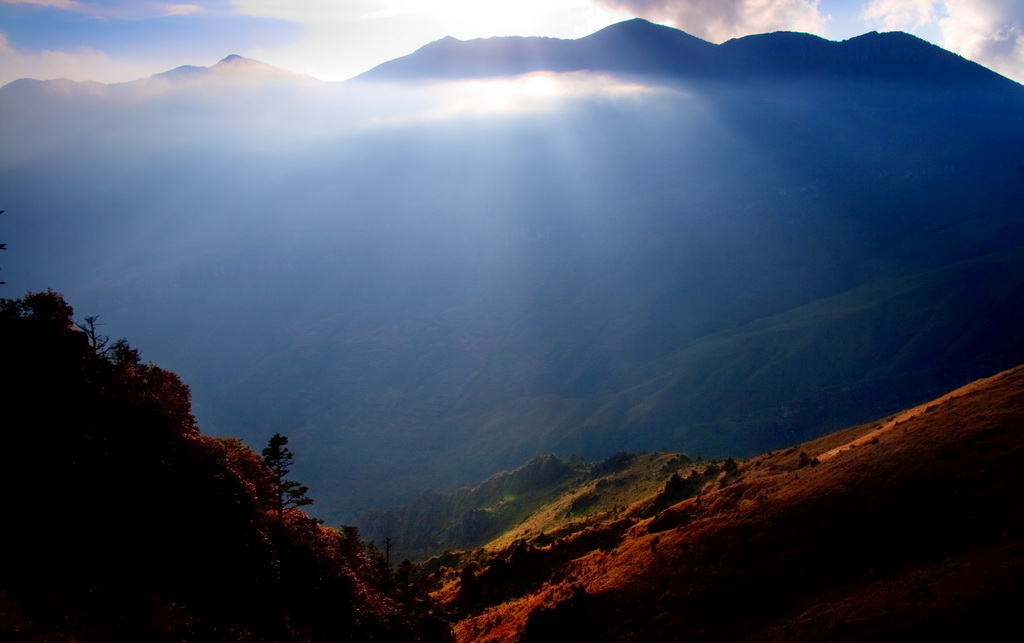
x=640, y=47
x=718, y=249
x=233, y=66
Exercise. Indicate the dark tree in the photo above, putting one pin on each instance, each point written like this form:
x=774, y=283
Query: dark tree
x=3, y=246
x=287, y=493
x=97, y=341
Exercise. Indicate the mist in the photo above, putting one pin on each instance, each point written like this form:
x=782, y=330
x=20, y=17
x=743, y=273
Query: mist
x=422, y=284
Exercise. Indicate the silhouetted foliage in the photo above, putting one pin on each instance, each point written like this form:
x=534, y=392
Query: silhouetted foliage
x=569, y=620
x=613, y=463
x=3, y=246
x=138, y=528
x=89, y=326
x=288, y=494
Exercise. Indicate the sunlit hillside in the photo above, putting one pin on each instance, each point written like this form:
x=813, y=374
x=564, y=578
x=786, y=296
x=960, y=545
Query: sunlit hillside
x=911, y=524
x=546, y=498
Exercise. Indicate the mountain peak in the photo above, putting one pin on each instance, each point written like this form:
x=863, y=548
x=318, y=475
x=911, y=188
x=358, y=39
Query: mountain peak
x=235, y=62
x=234, y=66
x=640, y=26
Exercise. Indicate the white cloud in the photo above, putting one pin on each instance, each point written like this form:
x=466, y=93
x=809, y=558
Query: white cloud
x=70, y=5
x=990, y=32
x=900, y=14
x=533, y=92
x=124, y=9
x=180, y=9
x=81, y=64
x=720, y=20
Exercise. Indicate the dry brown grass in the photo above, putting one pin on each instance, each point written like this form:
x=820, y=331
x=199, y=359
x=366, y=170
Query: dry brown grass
x=914, y=523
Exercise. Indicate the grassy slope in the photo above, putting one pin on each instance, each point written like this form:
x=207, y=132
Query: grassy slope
x=912, y=524
x=544, y=499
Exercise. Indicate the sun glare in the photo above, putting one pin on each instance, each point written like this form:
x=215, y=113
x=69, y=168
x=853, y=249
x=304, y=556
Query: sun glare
x=385, y=105
x=511, y=94
x=534, y=92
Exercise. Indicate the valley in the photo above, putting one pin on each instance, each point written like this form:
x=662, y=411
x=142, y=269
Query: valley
x=629, y=338
x=633, y=241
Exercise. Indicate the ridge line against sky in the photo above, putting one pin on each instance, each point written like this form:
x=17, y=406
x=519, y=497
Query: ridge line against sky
x=122, y=40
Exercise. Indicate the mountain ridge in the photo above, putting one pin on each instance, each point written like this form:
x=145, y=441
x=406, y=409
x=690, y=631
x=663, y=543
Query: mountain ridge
x=640, y=47
x=232, y=67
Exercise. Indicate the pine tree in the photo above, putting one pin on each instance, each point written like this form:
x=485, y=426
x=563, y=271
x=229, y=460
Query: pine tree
x=287, y=493
x=3, y=246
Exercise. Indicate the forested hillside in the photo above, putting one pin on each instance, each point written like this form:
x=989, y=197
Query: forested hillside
x=124, y=523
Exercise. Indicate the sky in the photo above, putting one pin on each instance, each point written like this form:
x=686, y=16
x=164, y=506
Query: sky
x=121, y=40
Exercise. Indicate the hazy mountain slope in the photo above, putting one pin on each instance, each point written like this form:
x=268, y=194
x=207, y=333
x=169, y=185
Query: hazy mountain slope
x=909, y=526
x=424, y=284
x=471, y=516
x=539, y=496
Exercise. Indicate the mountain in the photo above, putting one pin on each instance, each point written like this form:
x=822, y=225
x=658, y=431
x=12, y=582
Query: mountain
x=909, y=526
x=234, y=66
x=640, y=47
x=632, y=46
x=423, y=284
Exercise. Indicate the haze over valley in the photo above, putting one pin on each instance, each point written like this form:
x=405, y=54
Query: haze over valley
x=632, y=241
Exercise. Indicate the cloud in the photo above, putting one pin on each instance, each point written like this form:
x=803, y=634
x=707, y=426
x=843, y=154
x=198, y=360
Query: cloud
x=80, y=64
x=123, y=9
x=181, y=9
x=990, y=32
x=69, y=5
x=900, y=14
x=533, y=92
x=720, y=20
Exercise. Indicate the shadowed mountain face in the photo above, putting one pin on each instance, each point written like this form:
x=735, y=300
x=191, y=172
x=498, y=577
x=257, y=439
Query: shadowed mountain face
x=424, y=283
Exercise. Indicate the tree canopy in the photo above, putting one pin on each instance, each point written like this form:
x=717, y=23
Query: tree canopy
x=288, y=494
x=127, y=524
